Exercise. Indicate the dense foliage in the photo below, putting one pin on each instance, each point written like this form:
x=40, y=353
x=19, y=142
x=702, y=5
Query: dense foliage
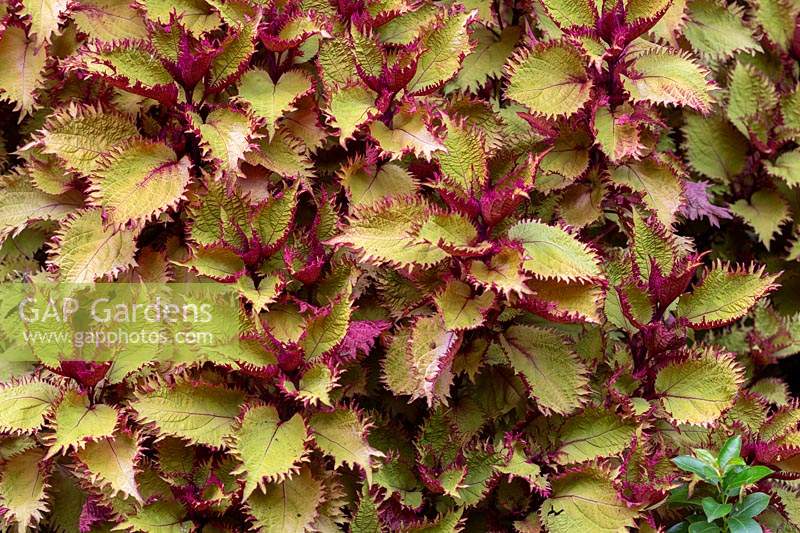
x=500, y=262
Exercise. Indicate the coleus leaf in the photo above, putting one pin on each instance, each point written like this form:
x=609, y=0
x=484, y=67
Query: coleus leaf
x=145, y=170
x=131, y=66
x=555, y=377
x=751, y=99
x=723, y=295
x=562, y=301
x=112, y=461
x=553, y=253
x=268, y=448
x=504, y=272
x=592, y=434
x=315, y=386
x=23, y=75
x=569, y=14
x=668, y=77
x=217, y=263
x=367, y=184
x=200, y=413
x=219, y=217
x=775, y=18
x=291, y=505
x=617, y=133
x=78, y=135
x=22, y=489
x=718, y=31
x=326, y=330
x=487, y=60
x=722, y=159
x=428, y=359
x=585, y=500
x=195, y=15
x=408, y=134
x=445, y=46
x=269, y=100
x=765, y=212
x=75, y=421
x=160, y=516
x=45, y=17
x=272, y=219
x=658, y=182
x=109, y=20
x=231, y=61
x=226, y=132
x=698, y=389
x=464, y=161
x=23, y=404
x=85, y=250
x=21, y=204
x=382, y=233
x=460, y=308
x=342, y=434
x=785, y=167
x=551, y=79
x=350, y=107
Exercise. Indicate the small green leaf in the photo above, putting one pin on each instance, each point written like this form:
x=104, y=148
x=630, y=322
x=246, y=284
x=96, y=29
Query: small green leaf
x=715, y=509
x=704, y=527
x=738, y=524
x=766, y=212
x=729, y=451
x=751, y=505
x=742, y=477
x=269, y=100
x=691, y=464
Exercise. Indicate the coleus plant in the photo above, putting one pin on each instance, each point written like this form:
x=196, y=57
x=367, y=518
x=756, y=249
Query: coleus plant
x=471, y=241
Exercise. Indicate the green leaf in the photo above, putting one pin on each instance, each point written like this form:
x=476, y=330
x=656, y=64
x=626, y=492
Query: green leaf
x=724, y=295
x=461, y=308
x=519, y=466
x=406, y=28
x=464, y=163
x=786, y=167
x=729, y=451
x=268, y=448
x=555, y=377
x=272, y=220
x=695, y=466
x=22, y=489
x=503, y=273
x=109, y=20
x=667, y=77
x=714, y=509
x=751, y=99
x=408, y=134
x=551, y=80
x=343, y=435
x=86, y=250
x=487, y=60
x=112, y=462
x=45, y=16
x=704, y=527
x=287, y=507
x=130, y=65
x=21, y=204
x=217, y=263
x=226, y=135
x=326, y=330
x=164, y=515
x=751, y=505
x=617, y=135
x=585, y=500
x=569, y=13
x=553, y=253
x=777, y=17
x=592, y=434
x=444, y=47
x=79, y=135
x=658, y=183
x=22, y=74
x=428, y=359
x=699, y=389
x=145, y=170
x=350, y=107
x=315, y=385
x=382, y=234
x=233, y=58
x=218, y=216
x=743, y=525
x=268, y=100
x=725, y=157
x=745, y=476
x=24, y=404
x=283, y=154
x=199, y=413
x=718, y=31
x=366, y=185
x=75, y=421
x=366, y=519
x=195, y=15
